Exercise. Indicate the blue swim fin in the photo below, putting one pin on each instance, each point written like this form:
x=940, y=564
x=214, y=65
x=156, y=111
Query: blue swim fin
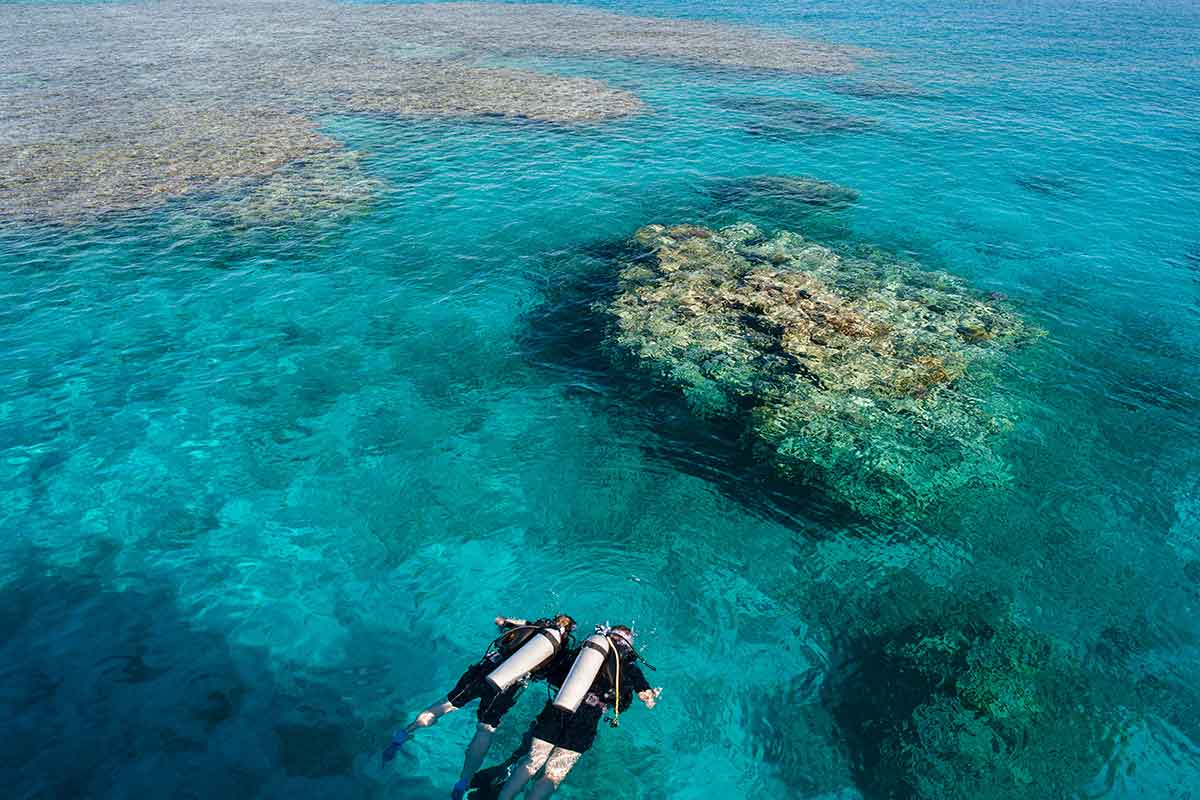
x=389, y=752
x=460, y=789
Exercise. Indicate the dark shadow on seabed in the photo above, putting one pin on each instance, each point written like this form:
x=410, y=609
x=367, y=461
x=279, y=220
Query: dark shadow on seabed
x=113, y=692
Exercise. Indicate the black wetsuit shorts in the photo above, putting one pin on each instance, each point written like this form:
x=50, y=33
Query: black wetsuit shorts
x=575, y=731
x=493, y=705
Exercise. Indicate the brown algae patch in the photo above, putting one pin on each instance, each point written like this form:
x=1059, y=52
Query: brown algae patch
x=858, y=371
x=124, y=106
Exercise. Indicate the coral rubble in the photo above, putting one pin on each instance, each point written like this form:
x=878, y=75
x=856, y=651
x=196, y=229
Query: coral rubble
x=857, y=371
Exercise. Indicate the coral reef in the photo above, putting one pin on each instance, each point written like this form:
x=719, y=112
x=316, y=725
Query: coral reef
x=786, y=117
x=781, y=189
x=323, y=189
x=447, y=90
x=879, y=89
x=580, y=31
x=125, y=106
x=1047, y=185
x=167, y=152
x=857, y=371
x=966, y=702
x=937, y=687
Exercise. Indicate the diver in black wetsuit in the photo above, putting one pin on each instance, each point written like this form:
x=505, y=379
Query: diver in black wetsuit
x=493, y=704
x=561, y=737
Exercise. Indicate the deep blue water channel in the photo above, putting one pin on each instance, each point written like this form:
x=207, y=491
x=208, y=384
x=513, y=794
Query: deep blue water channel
x=263, y=491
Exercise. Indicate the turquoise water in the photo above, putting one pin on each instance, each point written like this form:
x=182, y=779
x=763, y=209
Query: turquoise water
x=263, y=490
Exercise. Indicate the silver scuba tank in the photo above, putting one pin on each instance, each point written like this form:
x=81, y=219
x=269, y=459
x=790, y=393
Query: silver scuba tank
x=587, y=665
x=536, y=651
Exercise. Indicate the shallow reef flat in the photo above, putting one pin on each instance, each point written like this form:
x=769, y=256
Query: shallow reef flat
x=125, y=106
x=550, y=29
x=856, y=371
x=426, y=90
x=320, y=190
x=149, y=155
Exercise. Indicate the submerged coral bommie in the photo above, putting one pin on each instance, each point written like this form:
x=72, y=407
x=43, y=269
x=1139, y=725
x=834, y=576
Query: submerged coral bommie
x=781, y=189
x=970, y=705
x=786, y=117
x=879, y=89
x=860, y=372
x=1047, y=185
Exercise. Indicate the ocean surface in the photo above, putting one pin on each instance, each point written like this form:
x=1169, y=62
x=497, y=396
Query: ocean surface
x=263, y=488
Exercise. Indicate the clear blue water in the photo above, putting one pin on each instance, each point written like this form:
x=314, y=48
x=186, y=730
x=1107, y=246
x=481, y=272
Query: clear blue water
x=262, y=492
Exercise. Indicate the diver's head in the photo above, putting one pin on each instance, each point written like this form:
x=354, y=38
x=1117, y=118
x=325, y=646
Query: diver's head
x=565, y=623
x=622, y=638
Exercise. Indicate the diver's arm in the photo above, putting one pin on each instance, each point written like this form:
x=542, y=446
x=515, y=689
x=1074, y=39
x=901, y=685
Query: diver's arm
x=637, y=681
x=509, y=622
x=649, y=696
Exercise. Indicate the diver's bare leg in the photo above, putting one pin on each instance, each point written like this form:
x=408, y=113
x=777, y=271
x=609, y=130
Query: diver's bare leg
x=430, y=715
x=557, y=767
x=530, y=765
x=477, y=750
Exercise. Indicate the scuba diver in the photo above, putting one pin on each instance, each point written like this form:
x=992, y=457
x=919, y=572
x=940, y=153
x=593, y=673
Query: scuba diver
x=602, y=672
x=525, y=652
